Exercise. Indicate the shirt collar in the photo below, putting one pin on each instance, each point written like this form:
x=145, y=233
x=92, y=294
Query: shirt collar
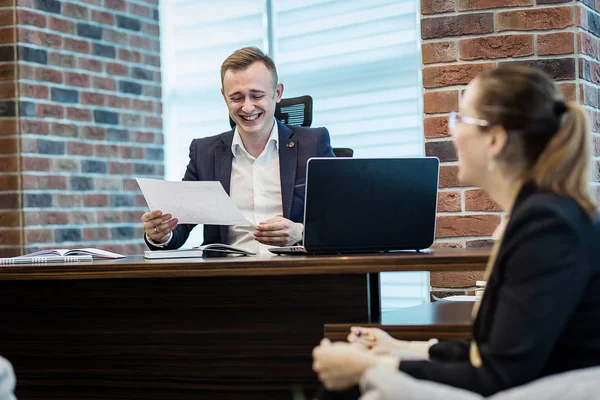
x=238, y=145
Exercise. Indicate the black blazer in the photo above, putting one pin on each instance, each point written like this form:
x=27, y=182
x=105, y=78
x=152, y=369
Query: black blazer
x=210, y=160
x=540, y=313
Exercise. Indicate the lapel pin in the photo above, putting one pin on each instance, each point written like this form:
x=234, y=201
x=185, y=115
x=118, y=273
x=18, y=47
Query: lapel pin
x=290, y=144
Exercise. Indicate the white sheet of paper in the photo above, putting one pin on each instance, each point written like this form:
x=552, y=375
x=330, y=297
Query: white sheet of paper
x=192, y=202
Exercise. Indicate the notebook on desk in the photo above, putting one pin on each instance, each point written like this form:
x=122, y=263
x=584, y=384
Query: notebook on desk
x=355, y=205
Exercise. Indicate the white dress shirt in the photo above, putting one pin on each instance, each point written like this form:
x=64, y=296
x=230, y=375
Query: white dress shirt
x=255, y=189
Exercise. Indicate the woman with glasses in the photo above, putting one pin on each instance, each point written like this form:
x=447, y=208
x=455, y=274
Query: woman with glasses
x=540, y=313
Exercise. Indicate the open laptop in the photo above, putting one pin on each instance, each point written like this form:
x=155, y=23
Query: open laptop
x=355, y=205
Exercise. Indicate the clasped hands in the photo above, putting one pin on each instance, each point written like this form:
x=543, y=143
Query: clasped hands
x=276, y=231
x=340, y=365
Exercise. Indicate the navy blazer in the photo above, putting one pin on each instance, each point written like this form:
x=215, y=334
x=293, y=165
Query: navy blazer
x=211, y=158
x=540, y=313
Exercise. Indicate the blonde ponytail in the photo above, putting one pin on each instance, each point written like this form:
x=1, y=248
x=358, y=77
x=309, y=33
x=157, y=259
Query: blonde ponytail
x=564, y=165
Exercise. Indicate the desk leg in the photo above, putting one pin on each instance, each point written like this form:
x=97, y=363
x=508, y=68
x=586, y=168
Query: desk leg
x=374, y=286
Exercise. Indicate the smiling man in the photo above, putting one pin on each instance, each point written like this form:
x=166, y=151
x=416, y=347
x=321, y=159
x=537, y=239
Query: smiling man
x=261, y=163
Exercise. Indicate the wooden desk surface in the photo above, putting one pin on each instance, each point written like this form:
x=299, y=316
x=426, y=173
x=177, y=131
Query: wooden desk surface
x=264, y=265
x=442, y=320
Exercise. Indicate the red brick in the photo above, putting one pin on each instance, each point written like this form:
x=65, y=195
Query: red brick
x=129, y=55
x=128, y=184
x=467, y=225
x=48, y=75
x=9, y=145
x=556, y=43
x=146, y=12
x=34, y=91
x=587, y=44
x=158, y=107
x=95, y=234
x=466, y=24
x=35, y=126
x=151, y=29
x=102, y=17
x=35, y=164
x=118, y=5
x=79, y=114
x=10, y=236
x=120, y=168
x=449, y=176
x=450, y=75
x=50, y=110
x=466, y=5
x=9, y=163
x=44, y=182
x=90, y=64
x=479, y=200
x=102, y=150
x=7, y=90
x=80, y=148
x=438, y=52
x=455, y=279
x=535, y=19
x=142, y=105
x=8, y=126
x=7, y=35
x=96, y=99
x=440, y=101
x=117, y=69
x=6, y=17
x=93, y=132
x=7, y=71
x=140, y=201
x=140, y=42
x=449, y=202
x=40, y=38
x=436, y=127
x=33, y=236
x=118, y=102
x=61, y=25
x=66, y=61
x=26, y=17
x=79, y=46
x=65, y=165
x=153, y=122
x=105, y=83
x=11, y=182
x=75, y=11
x=95, y=200
x=46, y=217
x=504, y=46
x=76, y=79
x=436, y=6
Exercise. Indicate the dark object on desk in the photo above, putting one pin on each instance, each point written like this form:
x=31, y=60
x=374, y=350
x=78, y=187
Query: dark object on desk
x=298, y=111
x=368, y=205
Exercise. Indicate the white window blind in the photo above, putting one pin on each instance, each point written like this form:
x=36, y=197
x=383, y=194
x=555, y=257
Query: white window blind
x=358, y=59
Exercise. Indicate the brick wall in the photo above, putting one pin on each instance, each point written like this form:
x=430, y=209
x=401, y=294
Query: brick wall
x=460, y=38
x=80, y=116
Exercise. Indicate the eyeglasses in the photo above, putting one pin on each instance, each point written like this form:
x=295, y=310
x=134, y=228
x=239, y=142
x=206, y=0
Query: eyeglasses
x=456, y=117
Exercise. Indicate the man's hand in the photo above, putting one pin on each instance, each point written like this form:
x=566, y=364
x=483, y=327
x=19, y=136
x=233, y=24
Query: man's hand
x=158, y=226
x=279, y=231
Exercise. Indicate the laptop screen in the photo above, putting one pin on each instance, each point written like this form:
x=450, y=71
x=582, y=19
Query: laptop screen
x=354, y=205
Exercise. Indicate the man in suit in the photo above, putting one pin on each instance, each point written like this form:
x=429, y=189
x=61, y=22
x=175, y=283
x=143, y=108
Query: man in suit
x=261, y=163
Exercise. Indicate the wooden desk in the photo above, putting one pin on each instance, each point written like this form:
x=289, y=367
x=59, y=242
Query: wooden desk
x=187, y=329
x=441, y=320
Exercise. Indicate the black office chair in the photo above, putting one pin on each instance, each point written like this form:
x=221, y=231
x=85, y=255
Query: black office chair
x=298, y=111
